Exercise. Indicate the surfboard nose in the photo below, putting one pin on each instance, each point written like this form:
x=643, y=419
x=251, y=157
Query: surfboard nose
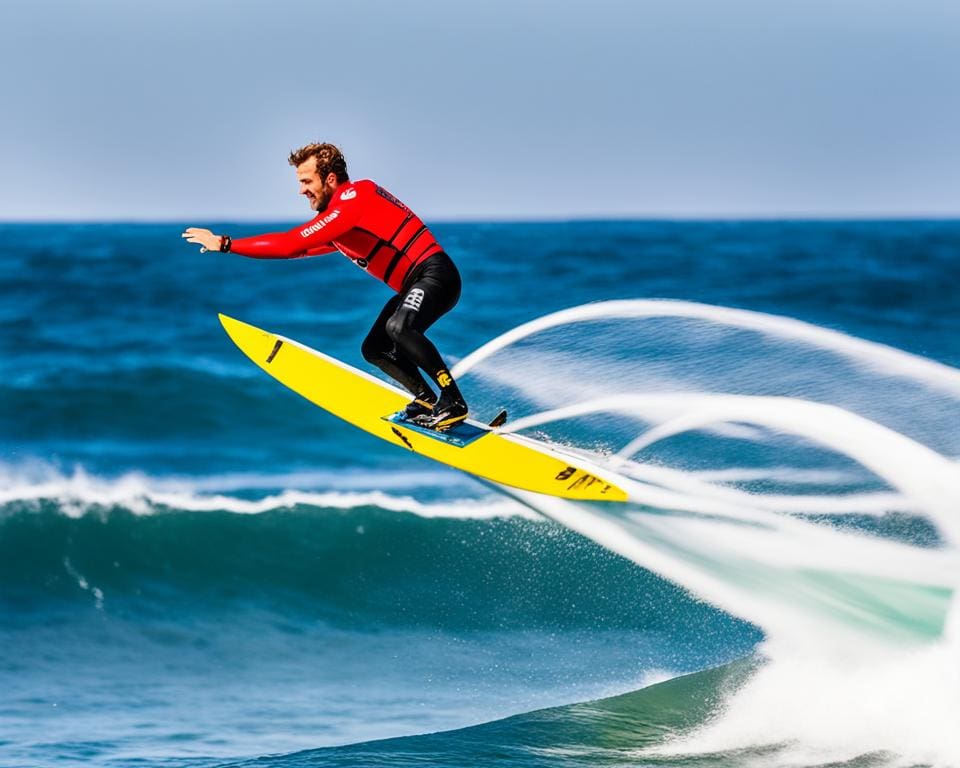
x=255, y=342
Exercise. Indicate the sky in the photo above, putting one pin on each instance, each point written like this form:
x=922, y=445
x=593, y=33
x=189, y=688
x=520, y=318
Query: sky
x=186, y=110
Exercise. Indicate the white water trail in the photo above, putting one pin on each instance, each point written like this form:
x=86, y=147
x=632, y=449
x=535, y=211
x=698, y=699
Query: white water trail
x=753, y=554
x=862, y=631
x=876, y=504
x=921, y=474
x=884, y=359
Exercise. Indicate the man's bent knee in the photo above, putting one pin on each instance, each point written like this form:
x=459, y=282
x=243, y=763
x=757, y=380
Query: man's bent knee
x=399, y=324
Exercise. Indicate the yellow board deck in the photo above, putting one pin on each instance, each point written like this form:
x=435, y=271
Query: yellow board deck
x=368, y=403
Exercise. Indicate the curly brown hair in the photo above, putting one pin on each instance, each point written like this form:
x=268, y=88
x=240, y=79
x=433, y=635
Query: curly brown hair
x=329, y=160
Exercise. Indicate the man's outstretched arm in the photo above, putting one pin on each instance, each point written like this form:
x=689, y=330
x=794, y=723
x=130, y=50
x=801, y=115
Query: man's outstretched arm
x=269, y=246
x=310, y=239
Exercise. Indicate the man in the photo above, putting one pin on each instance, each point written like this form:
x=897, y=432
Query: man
x=386, y=239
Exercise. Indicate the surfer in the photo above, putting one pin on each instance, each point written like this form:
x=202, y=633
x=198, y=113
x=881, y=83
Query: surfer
x=385, y=238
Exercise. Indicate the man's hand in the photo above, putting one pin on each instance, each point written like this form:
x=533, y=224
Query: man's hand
x=202, y=237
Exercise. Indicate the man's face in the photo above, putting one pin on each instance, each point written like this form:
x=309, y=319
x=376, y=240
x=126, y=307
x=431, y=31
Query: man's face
x=317, y=190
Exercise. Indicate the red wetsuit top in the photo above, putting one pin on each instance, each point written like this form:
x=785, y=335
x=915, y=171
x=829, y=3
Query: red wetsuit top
x=365, y=223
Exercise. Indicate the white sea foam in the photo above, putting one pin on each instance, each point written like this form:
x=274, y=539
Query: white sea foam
x=77, y=492
x=815, y=711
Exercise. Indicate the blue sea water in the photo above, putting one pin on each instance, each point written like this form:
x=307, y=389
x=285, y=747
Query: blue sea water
x=199, y=568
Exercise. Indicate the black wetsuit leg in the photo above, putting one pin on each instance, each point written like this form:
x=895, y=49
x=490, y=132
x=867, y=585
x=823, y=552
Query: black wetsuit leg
x=380, y=350
x=397, y=344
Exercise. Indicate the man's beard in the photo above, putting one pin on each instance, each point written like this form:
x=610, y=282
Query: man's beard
x=323, y=200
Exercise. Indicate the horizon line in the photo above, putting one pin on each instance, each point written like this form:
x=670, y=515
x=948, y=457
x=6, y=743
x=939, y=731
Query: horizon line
x=576, y=219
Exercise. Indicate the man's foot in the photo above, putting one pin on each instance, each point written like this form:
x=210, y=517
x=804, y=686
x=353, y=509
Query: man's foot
x=419, y=406
x=447, y=412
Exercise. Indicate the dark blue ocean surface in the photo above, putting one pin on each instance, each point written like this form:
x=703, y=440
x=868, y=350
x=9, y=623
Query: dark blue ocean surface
x=197, y=565
x=114, y=357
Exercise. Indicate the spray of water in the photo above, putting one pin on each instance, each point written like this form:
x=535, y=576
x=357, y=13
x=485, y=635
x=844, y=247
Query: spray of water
x=794, y=476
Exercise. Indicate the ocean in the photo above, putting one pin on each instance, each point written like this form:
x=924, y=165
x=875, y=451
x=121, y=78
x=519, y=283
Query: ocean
x=198, y=568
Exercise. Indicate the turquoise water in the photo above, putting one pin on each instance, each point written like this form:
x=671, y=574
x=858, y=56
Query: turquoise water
x=198, y=568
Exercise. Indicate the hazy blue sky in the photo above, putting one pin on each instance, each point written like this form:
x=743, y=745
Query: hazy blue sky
x=186, y=110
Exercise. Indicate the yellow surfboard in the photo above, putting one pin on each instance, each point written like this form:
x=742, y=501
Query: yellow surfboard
x=368, y=403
